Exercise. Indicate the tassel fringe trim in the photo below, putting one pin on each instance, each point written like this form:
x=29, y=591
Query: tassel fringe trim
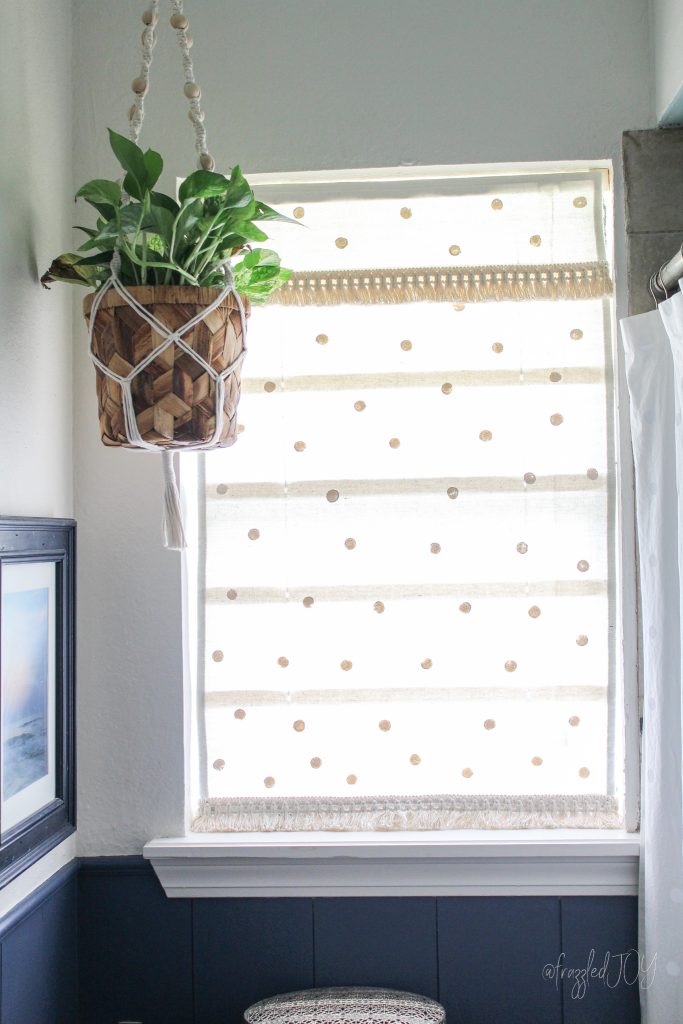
x=396, y=814
x=445, y=284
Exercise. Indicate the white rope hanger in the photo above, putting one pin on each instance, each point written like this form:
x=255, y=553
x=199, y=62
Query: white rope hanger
x=172, y=525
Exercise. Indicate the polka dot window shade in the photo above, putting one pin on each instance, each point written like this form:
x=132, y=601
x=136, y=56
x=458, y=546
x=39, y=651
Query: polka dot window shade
x=408, y=603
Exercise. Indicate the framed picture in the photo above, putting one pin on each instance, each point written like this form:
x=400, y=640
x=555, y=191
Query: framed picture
x=37, y=710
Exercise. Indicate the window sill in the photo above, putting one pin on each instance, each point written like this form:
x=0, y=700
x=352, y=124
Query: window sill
x=503, y=863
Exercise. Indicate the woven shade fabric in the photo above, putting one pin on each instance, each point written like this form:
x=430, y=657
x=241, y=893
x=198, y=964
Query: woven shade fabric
x=408, y=609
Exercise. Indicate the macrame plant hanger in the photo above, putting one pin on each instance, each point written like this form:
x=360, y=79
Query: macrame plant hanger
x=172, y=525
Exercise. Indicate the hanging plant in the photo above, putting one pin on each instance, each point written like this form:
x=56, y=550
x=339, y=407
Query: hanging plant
x=172, y=284
x=196, y=241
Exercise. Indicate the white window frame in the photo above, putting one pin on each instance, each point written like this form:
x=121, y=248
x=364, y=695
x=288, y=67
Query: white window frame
x=519, y=862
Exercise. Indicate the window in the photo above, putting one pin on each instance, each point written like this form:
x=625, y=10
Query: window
x=407, y=603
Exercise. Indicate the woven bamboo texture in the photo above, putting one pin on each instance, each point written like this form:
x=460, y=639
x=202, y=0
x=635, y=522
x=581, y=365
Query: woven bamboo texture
x=174, y=397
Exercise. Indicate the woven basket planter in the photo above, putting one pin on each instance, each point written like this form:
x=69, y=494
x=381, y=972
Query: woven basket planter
x=174, y=397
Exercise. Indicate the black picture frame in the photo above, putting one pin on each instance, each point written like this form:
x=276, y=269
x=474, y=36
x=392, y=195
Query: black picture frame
x=31, y=541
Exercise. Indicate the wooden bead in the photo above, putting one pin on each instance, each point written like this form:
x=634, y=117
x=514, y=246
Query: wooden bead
x=192, y=90
x=139, y=85
x=148, y=18
x=207, y=161
x=179, y=21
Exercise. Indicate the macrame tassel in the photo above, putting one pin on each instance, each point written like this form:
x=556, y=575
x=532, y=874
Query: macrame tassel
x=172, y=523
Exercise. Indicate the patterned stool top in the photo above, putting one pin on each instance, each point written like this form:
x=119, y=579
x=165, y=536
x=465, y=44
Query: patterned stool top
x=346, y=1006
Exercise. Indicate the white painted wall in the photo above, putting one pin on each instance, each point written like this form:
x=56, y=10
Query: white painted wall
x=667, y=40
x=35, y=346
x=299, y=85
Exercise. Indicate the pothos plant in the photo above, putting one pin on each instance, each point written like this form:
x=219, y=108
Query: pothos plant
x=163, y=242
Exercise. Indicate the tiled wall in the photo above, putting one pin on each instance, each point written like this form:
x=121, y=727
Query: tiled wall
x=146, y=958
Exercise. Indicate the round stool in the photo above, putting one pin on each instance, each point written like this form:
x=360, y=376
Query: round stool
x=346, y=1006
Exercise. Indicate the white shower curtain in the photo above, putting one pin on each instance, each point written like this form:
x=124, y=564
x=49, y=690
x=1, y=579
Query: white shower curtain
x=653, y=344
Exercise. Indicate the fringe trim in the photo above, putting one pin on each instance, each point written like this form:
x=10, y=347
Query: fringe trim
x=397, y=814
x=445, y=284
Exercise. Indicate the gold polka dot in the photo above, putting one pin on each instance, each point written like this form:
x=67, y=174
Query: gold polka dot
x=580, y=202
x=359, y=406
x=583, y=565
x=394, y=443
x=497, y=347
x=406, y=212
x=406, y=345
x=346, y=666
x=485, y=435
x=351, y=780
x=240, y=428
x=231, y=595
x=254, y=534
x=582, y=640
x=315, y=762
x=534, y=611
x=240, y=713
x=299, y=446
x=556, y=419
x=537, y=761
x=555, y=377
x=452, y=492
x=298, y=212
x=466, y=607
x=283, y=662
x=489, y=724
x=332, y=495
x=496, y=204
x=576, y=334
x=427, y=663
x=217, y=655
x=435, y=548
x=446, y=388
x=322, y=339
x=459, y=307
x=592, y=474
x=219, y=764
x=535, y=240
x=584, y=772
x=341, y=242
x=467, y=773
x=269, y=386
x=522, y=547
x=378, y=606
x=529, y=478
x=299, y=725
x=415, y=759
x=222, y=489
x=510, y=666
x=574, y=721
x=385, y=725
x=454, y=250
x=269, y=782
x=350, y=543
x=308, y=602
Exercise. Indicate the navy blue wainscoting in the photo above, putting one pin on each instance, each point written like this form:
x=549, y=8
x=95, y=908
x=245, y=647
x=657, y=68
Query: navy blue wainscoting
x=146, y=958
x=39, y=955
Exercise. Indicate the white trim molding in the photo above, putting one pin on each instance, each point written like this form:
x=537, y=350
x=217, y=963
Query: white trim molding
x=506, y=863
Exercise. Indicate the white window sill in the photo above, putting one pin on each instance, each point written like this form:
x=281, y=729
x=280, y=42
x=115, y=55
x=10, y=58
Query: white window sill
x=503, y=863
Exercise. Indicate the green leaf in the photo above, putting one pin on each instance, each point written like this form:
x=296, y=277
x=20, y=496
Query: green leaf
x=161, y=199
x=132, y=160
x=251, y=232
x=90, y=232
x=261, y=257
x=154, y=165
x=239, y=193
x=265, y=212
x=100, y=191
x=202, y=184
x=98, y=259
x=65, y=268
